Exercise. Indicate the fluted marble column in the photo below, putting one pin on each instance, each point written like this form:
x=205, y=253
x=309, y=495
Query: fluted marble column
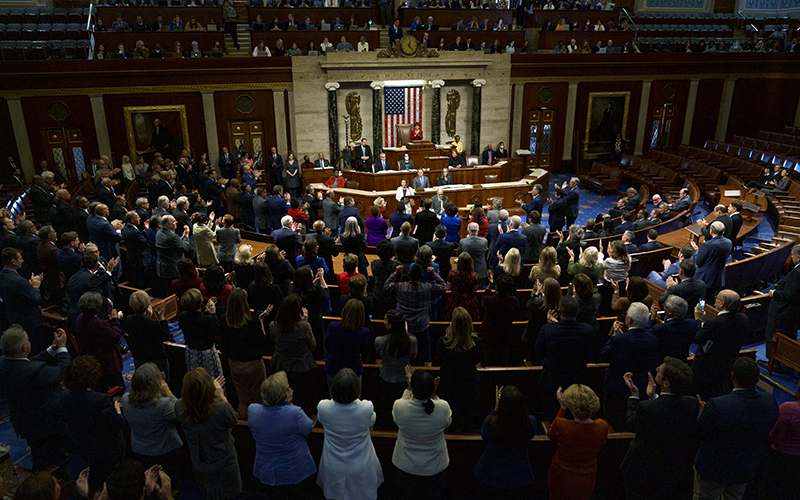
x=475, y=148
x=436, y=111
x=377, y=118
x=333, y=123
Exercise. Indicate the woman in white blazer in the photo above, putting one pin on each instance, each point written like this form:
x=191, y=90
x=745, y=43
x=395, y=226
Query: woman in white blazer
x=420, y=454
x=349, y=468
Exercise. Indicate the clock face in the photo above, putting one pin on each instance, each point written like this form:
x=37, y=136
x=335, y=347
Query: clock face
x=408, y=45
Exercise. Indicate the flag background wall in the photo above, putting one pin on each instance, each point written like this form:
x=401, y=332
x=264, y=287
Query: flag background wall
x=401, y=105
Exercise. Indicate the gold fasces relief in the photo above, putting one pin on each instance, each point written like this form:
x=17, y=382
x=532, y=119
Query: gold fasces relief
x=453, y=101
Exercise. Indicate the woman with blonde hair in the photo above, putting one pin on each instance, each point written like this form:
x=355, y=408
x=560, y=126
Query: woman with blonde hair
x=460, y=353
x=207, y=419
x=200, y=327
x=127, y=168
x=510, y=265
x=463, y=283
x=547, y=267
x=587, y=264
x=578, y=441
x=381, y=204
x=243, y=266
x=203, y=233
x=354, y=242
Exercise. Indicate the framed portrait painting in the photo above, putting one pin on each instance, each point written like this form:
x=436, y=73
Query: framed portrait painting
x=607, y=117
x=156, y=129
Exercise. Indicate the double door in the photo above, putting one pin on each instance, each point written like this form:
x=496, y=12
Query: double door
x=65, y=152
x=542, y=123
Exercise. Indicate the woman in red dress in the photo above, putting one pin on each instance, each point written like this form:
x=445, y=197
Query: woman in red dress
x=416, y=133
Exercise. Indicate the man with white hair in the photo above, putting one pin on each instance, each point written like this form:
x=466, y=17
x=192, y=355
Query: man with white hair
x=711, y=259
x=681, y=203
x=288, y=239
x=477, y=248
x=439, y=201
x=143, y=210
x=635, y=351
x=170, y=249
x=573, y=195
x=493, y=235
x=181, y=214
x=512, y=239
x=676, y=333
x=162, y=206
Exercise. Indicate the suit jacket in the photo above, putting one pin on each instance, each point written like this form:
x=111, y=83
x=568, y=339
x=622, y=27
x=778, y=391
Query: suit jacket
x=681, y=204
x=734, y=436
x=511, y=239
x=533, y=247
x=690, y=289
x=8, y=239
x=106, y=195
x=21, y=302
x=736, y=225
x=675, y=336
x=103, y=234
x=42, y=200
x=573, y=196
x=95, y=428
x=711, y=259
x=726, y=220
x=277, y=209
x=85, y=281
x=405, y=248
x=558, y=210
x=443, y=250
x=437, y=204
x=784, y=315
x=363, y=151
x=631, y=248
x=330, y=214
x=65, y=218
x=426, y=222
x=171, y=248
x=288, y=241
x=32, y=389
x=421, y=182
x=327, y=247
x=565, y=348
x=649, y=246
x=137, y=252
x=537, y=204
x=659, y=461
x=634, y=351
x=248, y=213
x=27, y=244
x=477, y=247
x=69, y=262
x=718, y=343
x=625, y=226
x=492, y=235
x=261, y=212
x=46, y=255
x=488, y=157
x=350, y=212
x=274, y=162
x=383, y=166
x=182, y=220
x=322, y=163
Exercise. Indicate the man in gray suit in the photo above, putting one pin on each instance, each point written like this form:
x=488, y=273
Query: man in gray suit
x=439, y=201
x=493, y=215
x=171, y=248
x=420, y=181
x=331, y=211
x=476, y=247
x=260, y=210
x=535, y=232
x=405, y=245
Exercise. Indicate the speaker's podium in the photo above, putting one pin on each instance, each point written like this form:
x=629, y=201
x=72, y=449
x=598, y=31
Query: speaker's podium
x=419, y=152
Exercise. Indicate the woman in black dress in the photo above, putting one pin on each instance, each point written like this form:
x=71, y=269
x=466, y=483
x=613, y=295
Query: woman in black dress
x=313, y=292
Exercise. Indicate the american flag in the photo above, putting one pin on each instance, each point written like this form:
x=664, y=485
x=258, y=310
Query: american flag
x=401, y=105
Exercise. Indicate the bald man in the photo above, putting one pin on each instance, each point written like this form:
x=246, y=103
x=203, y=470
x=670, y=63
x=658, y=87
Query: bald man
x=711, y=259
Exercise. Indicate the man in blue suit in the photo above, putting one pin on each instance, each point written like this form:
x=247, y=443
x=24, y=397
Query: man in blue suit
x=512, y=239
x=106, y=235
x=278, y=206
x=493, y=235
x=573, y=195
x=287, y=239
x=734, y=436
x=627, y=223
x=634, y=351
x=537, y=202
x=21, y=297
x=676, y=334
x=711, y=259
x=348, y=211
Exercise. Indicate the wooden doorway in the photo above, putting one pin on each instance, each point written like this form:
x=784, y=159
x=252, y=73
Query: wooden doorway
x=662, y=133
x=247, y=135
x=541, y=138
x=65, y=152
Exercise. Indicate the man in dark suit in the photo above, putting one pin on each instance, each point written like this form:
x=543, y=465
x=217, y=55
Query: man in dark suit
x=164, y=187
x=278, y=206
x=8, y=238
x=420, y=181
x=682, y=203
x=181, y=214
x=395, y=32
x=644, y=219
x=627, y=223
x=275, y=164
x=42, y=200
x=321, y=162
x=689, y=289
x=559, y=209
x=162, y=141
x=630, y=203
x=718, y=343
x=671, y=268
x=426, y=222
x=651, y=244
x=70, y=256
x=537, y=202
x=734, y=435
x=784, y=315
x=261, y=210
x=405, y=245
x=105, y=234
x=630, y=246
x=32, y=387
x=711, y=259
x=91, y=277
x=476, y=247
x=658, y=465
x=138, y=255
x=488, y=157
x=736, y=219
x=458, y=45
x=573, y=195
x=564, y=347
x=27, y=242
x=677, y=332
x=382, y=165
x=227, y=164
x=170, y=249
x=535, y=233
x=326, y=243
x=513, y=238
x=330, y=212
x=350, y=210
x=118, y=209
x=363, y=156
x=442, y=250
x=493, y=235
x=635, y=351
x=288, y=239
x=21, y=297
x=721, y=212
x=105, y=194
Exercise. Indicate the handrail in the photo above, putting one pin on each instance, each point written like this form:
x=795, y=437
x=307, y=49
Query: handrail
x=630, y=19
x=89, y=25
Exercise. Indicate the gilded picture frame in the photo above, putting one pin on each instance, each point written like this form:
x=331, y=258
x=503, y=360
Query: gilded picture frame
x=140, y=127
x=606, y=116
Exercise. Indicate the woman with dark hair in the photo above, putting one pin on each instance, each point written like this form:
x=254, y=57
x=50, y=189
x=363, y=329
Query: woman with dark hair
x=463, y=283
x=616, y=265
x=263, y=292
x=349, y=467
x=376, y=227
x=460, y=354
x=497, y=326
x=479, y=218
x=416, y=132
x=420, y=454
x=608, y=228
x=244, y=342
x=294, y=344
x=228, y=237
x=396, y=350
x=207, y=419
x=313, y=292
x=383, y=267
x=588, y=300
x=100, y=338
x=282, y=270
x=357, y=289
x=200, y=327
x=346, y=340
x=445, y=179
x=504, y=469
x=636, y=290
x=94, y=421
x=311, y=257
x=39, y=485
x=546, y=299
x=215, y=286
x=452, y=222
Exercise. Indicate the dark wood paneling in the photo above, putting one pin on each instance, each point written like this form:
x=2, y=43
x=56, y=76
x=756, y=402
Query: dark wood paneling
x=445, y=18
x=724, y=6
x=635, y=88
x=264, y=109
x=301, y=38
x=762, y=105
x=549, y=39
x=167, y=40
x=317, y=14
x=706, y=111
x=678, y=100
x=80, y=116
x=8, y=146
x=201, y=14
x=115, y=118
x=558, y=101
